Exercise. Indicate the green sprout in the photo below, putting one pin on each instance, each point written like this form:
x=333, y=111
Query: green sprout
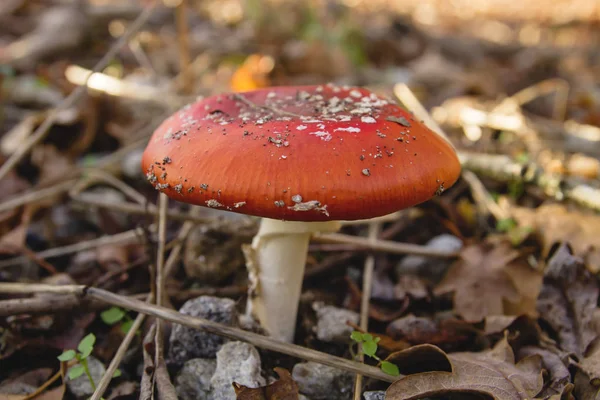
x=114, y=315
x=369, y=347
x=84, y=349
x=517, y=234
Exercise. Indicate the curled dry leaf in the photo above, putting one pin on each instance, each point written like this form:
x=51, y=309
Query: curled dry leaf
x=568, y=299
x=558, y=377
x=491, y=373
x=285, y=388
x=554, y=224
x=497, y=276
x=587, y=376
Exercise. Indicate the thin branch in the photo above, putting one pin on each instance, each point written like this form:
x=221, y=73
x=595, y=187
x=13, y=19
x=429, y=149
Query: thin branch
x=118, y=357
x=386, y=246
x=41, y=132
x=374, y=230
x=127, y=237
x=255, y=339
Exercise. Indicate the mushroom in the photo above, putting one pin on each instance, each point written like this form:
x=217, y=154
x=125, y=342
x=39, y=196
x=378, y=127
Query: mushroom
x=302, y=158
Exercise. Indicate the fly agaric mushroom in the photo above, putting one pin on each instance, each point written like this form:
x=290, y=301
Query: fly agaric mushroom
x=303, y=158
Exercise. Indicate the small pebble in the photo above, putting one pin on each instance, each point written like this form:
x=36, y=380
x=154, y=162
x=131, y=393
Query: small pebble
x=321, y=382
x=374, y=395
x=81, y=387
x=187, y=343
x=236, y=362
x=193, y=381
x=431, y=267
x=331, y=324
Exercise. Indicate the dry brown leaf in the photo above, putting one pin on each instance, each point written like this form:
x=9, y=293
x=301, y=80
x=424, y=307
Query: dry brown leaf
x=492, y=373
x=587, y=376
x=558, y=377
x=285, y=388
x=567, y=301
x=554, y=224
x=491, y=279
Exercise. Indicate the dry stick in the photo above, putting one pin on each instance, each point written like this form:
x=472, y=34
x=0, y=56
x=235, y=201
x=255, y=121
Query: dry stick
x=374, y=230
x=97, y=175
x=114, y=363
x=150, y=211
x=386, y=246
x=126, y=237
x=161, y=378
x=41, y=132
x=503, y=168
x=185, y=60
x=131, y=236
x=39, y=305
x=163, y=202
x=202, y=324
x=35, y=195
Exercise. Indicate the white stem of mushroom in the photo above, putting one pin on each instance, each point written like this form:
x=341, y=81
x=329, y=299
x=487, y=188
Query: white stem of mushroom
x=276, y=262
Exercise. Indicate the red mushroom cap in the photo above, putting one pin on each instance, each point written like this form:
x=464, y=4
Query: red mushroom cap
x=309, y=153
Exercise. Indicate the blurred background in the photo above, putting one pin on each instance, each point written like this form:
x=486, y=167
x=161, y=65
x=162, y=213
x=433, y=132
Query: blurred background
x=455, y=55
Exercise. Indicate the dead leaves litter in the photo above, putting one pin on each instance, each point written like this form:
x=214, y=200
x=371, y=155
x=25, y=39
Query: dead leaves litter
x=497, y=276
x=492, y=373
x=567, y=301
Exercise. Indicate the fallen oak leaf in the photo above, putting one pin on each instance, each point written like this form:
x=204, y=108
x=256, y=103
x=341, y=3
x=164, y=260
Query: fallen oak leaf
x=285, y=388
x=587, y=375
x=568, y=299
x=492, y=373
x=495, y=274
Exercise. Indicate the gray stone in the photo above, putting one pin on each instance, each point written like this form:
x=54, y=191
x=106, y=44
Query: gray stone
x=374, y=395
x=81, y=386
x=193, y=381
x=236, y=362
x=187, y=343
x=321, y=382
x=331, y=323
x=431, y=267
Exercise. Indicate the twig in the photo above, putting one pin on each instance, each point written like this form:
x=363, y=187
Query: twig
x=116, y=360
x=408, y=98
x=44, y=386
x=503, y=168
x=187, y=77
x=560, y=86
x=163, y=202
x=39, y=305
x=127, y=237
x=66, y=302
x=161, y=378
x=386, y=246
x=93, y=176
x=205, y=325
x=483, y=198
x=41, y=132
x=149, y=211
x=36, y=195
x=374, y=229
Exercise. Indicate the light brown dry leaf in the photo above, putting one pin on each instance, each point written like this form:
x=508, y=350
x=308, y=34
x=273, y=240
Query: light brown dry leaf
x=491, y=279
x=554, y=223
x=567, y=301
x=491, y=373
x=285, y=388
